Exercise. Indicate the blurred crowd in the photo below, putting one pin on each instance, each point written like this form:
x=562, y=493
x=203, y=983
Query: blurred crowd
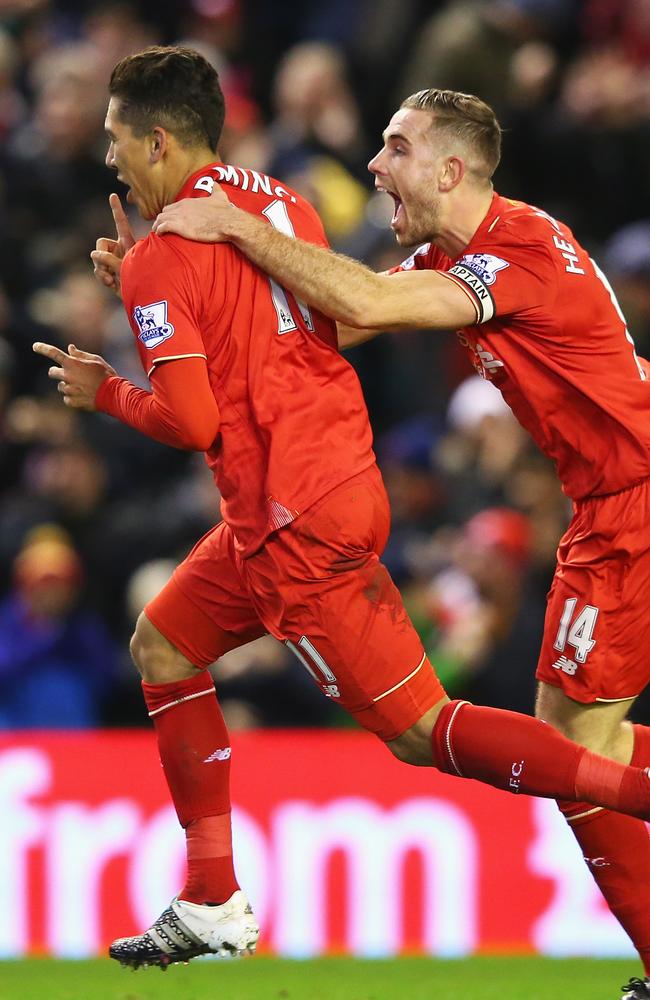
x=93, y=517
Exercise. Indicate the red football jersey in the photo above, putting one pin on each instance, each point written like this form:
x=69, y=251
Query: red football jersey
x=293, y=419
x=551, y=336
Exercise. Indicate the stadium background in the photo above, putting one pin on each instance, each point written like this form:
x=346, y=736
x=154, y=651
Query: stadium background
x=93, y=517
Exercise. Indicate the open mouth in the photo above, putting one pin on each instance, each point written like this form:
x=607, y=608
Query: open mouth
x=398, y=209
x=129, y=194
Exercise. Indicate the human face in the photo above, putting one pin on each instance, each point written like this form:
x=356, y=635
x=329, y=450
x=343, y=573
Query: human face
x=135, y=161
x=407, y=168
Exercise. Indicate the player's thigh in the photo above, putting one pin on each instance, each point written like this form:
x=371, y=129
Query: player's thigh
x=157, y=659
x=205, y=609
x=319, y=586
x=597, y=626
x=600, y=726
x=360, y=647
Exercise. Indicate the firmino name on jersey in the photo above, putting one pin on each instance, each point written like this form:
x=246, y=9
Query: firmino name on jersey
x=247, y=180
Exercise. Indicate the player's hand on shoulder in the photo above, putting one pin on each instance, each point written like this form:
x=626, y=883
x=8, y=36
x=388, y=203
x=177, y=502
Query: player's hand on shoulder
x=78, y=373
x=109, y=253
x=202, y=219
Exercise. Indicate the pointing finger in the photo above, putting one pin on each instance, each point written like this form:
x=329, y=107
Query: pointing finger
x=51, y=352
x=125, y=236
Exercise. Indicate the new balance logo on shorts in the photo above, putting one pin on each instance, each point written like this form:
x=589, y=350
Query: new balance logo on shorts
x=218, y=755
x=565, y=664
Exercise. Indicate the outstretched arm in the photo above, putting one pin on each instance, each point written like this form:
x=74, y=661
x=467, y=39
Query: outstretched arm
x=352, y=336
x=181, y=410
x=342, y=288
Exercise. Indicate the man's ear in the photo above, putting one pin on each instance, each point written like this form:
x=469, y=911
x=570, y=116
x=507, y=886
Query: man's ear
x=451, y=173
x=158, y=145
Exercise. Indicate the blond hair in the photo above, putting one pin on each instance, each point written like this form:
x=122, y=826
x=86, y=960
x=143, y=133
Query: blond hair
x=464, y=117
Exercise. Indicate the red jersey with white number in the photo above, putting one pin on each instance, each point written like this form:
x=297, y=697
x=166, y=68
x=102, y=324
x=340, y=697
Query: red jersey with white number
x=293, y=422
x=550, y=335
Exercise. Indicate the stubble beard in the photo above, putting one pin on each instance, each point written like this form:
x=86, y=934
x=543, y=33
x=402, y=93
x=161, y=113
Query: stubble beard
x=424, y=220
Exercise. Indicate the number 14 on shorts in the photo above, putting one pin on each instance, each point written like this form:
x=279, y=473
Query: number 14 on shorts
x=575, y=630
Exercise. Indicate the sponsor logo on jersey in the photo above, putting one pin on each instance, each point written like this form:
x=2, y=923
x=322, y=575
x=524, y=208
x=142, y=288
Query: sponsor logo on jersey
x=152, y=324
x=409, y=263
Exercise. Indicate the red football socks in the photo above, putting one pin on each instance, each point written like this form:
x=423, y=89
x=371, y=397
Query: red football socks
x=195, y=754
x=616, y=849
x=641, y=751
x=521, y=754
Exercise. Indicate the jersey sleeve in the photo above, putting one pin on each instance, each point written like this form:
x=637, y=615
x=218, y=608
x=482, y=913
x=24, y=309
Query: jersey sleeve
x=504, y=279
x=426, y=257
x=161, y=298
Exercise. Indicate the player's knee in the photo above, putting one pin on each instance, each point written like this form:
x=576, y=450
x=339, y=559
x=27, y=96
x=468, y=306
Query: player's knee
x=599, y=727
x=157, y=660
x=406, y=751
x=414, y=746
x=137, y=647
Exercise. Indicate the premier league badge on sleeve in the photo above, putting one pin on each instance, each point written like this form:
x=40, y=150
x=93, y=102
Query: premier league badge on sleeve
x=152, y=324
x=484, y=265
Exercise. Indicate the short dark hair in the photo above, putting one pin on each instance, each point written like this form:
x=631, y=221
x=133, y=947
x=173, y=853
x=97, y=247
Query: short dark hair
x=465, y=117
x=173, y=87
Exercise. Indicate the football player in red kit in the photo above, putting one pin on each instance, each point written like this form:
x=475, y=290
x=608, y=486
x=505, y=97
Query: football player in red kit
x=539, y=320
x=248, y=373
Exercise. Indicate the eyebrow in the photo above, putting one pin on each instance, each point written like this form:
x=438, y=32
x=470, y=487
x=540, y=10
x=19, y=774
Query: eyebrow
x=397, y=136
x=111, y=135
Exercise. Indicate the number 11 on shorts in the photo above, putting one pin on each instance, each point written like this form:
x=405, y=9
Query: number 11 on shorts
x=578, y=631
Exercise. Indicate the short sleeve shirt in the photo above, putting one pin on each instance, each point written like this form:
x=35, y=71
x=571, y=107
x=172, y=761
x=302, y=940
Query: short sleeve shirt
x=551, y=336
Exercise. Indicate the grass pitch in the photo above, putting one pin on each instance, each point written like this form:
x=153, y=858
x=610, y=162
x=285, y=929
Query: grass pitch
x=321, y=979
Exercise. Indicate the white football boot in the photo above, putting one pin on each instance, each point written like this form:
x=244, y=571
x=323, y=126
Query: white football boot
x=185, y=930
x=637, y=989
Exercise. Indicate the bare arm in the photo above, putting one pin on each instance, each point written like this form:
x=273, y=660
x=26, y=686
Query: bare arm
x=352, y=336
x=342, y=288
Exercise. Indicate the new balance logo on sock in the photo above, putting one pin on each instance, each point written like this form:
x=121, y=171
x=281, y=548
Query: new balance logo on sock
x=218, y=755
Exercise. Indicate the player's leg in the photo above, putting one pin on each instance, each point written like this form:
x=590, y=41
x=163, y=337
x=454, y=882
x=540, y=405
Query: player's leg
x=190, y=728
x=616, y=848
x=200, y=614
x=593, y=663
x=521, y=755
x=319, y=584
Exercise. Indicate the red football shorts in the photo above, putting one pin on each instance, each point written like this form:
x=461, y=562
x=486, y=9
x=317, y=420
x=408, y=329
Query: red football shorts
x=318, y=586
x=597, y=628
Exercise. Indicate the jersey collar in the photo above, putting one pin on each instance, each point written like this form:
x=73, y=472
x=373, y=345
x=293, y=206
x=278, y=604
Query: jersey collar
x=494, y=213
x=187, y=191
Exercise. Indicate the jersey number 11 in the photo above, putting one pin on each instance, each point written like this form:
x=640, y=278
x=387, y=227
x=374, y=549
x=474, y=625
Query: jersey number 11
x=278, y=216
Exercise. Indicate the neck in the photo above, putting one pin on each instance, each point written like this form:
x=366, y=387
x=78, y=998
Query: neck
x=466, y=211
x=188, y=162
